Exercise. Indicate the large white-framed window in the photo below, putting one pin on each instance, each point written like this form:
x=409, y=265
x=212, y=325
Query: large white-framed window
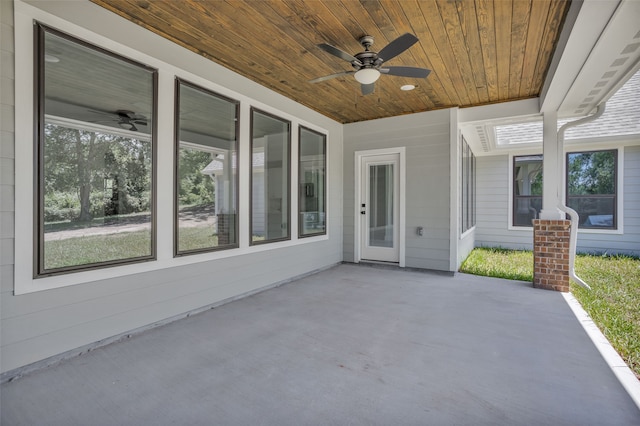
x=312, y=182
x=95, y=156
x=206, y=170
x=526, y=187
x=270, y=178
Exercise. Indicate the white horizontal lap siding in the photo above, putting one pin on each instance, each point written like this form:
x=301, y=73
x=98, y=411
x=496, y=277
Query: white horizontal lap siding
x=42, y=324
x=7, y=157
x=492, y=206
x=425, y=137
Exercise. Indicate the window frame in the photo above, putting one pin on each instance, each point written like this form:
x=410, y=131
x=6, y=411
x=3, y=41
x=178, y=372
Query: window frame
x=513, y=191
x=579, y=148
x=467, y=187
x=252, y=111
x=176, y=156
x=39, y=271
x=324, y=192
x=616, y=223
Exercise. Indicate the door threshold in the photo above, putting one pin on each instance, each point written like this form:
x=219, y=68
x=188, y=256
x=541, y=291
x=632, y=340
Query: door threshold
x=381, y=263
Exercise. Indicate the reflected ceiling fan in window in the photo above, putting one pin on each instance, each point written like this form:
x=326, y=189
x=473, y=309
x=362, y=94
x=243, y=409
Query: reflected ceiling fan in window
x=124, y=118
x=367, y=65
x=128, y=120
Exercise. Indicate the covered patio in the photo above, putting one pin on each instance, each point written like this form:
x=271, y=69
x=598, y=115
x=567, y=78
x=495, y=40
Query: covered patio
x=353, y=344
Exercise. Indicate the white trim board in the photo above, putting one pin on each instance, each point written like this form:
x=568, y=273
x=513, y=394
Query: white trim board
x=627, y=378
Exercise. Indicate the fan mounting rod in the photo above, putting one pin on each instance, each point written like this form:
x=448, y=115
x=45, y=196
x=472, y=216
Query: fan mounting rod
x=366, y=42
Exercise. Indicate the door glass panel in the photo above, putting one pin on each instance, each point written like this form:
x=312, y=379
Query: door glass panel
x=381, y=205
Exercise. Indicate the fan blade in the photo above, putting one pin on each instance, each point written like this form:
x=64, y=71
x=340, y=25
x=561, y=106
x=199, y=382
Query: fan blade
x=339, y=53
x=406, y=71
x=367, y=89
x=397, y=46
x=329, y=77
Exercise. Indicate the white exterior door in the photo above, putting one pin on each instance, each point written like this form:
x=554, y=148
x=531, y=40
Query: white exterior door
x=379, y=209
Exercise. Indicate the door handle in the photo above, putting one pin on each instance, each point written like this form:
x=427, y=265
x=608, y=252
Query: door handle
x=363, y=212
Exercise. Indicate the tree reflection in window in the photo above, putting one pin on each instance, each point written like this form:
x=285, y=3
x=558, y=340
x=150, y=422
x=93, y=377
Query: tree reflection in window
x=591, y=188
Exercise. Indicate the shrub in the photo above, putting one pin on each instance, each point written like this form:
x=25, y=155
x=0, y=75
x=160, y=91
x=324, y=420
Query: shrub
x=61, y=206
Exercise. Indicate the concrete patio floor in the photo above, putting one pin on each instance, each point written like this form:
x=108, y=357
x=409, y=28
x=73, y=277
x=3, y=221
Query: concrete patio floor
x=352, y=345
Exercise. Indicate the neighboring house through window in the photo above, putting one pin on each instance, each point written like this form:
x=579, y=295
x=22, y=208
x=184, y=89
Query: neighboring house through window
x=591, y=188
x=95, y=115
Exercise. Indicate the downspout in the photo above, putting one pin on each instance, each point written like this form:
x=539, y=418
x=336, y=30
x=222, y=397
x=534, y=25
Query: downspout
x=573, y=236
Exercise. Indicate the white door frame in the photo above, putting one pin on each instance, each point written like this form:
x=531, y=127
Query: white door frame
x=358, y=195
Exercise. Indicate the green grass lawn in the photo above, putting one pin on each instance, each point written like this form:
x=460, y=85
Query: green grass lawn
x=613, y=301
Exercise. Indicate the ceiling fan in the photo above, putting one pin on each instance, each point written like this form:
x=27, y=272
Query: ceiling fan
x=367, y=65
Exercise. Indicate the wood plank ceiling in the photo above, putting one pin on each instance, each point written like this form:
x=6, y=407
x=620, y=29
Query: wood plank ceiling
x=480, y=52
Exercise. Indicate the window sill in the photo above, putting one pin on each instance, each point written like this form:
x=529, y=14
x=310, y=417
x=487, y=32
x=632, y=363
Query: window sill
x=520, y=228
x=468, y=232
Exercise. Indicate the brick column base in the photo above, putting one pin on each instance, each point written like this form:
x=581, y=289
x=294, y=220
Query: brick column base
x=551, y=254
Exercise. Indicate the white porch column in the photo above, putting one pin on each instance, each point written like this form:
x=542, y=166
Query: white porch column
x=551, y=178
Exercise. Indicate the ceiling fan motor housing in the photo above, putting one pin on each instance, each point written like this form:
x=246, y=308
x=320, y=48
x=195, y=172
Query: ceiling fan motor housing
x=368, y=58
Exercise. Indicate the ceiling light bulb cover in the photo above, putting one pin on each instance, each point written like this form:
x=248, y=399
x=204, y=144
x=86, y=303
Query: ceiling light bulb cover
x=367, y=75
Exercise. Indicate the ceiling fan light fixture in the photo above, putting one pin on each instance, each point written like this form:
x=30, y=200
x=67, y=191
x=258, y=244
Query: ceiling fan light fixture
x=367, y=75
x=407, y=87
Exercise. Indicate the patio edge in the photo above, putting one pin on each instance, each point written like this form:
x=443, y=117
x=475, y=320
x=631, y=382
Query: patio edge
x=627, y=378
